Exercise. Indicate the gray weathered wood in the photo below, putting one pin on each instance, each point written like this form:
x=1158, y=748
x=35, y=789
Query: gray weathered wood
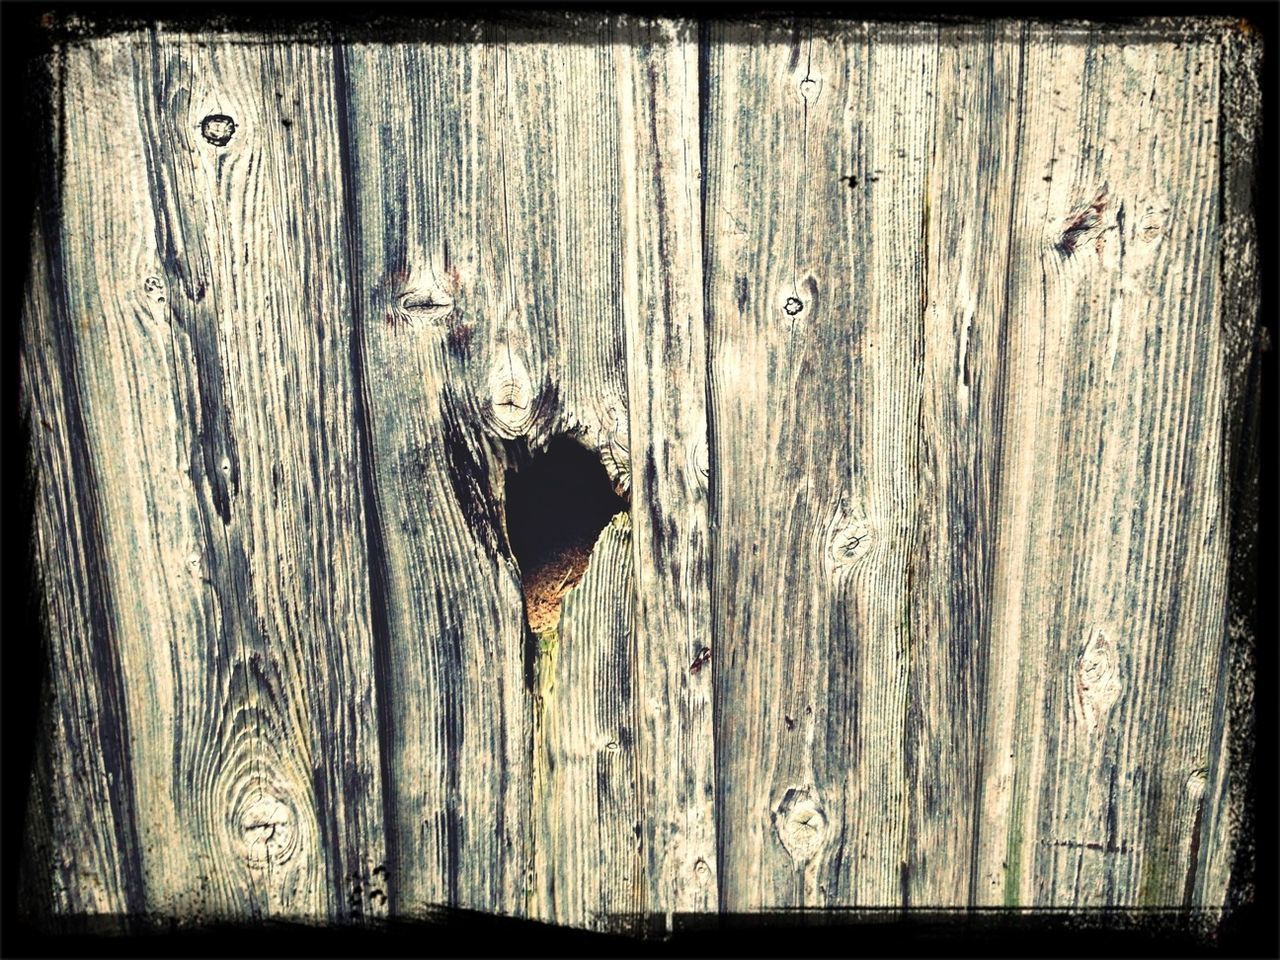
x=815, y=201
x=426, y=181
x=207, y=383
x=1057, y=552
x=924, y=354
x=490, y=175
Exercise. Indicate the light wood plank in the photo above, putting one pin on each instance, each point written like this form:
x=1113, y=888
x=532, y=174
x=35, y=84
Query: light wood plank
x=817, y=166
x=660, y=201
x=1109, y=597
x=588, y=810
x=213, y=367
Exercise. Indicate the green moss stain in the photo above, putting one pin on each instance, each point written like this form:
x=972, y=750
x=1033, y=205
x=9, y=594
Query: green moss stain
x=1013, y=853
x=548, y=643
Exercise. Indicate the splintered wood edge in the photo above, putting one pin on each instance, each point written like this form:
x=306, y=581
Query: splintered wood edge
x=1244, y=340
x=549, y=604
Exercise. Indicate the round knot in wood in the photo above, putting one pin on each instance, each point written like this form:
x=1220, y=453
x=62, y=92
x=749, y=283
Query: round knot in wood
x=848, y=537
x=268, y=831
x=510, y=405
x=218, y=129
x=1098, y=678
x=800, y=823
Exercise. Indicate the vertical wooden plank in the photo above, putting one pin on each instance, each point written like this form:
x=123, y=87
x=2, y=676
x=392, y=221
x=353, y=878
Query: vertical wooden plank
x=971, y=203
x=1109, y=592
x=453, y=365
x=884, y=169
x=660, y=203
x=110, y=398
x=637, y=780
x=773, y=465
x=590, y=792
x=815, y=199
x=489, y=182
x=493, y=224
x=82, y=856
x=252, y=233
x=425, y=189
x=588, y=814
x=214, y=387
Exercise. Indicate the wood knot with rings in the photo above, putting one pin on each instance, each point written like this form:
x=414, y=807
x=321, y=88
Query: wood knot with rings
x=615, y=454
x=809, y=84
x=1152, y=224
x=1086, y=224
x=800, y=823
x=849, y=536
x=218, y=129
x=1099, y=678
x=266, y=827
x=417, y=297
x=510, y=407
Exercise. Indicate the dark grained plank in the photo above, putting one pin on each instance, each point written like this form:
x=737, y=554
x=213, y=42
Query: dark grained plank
x=1046, y=327
x=504, y=263
x=211, y=380
x=814, y=206
x=966, y=235
x=1230, y=813
x=82, y=845
x=426, y=175
x=251, y=236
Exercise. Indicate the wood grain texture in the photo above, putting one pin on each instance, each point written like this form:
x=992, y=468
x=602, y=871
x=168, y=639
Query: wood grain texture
x=1107, y=601
x=1227, y=853
x=211, y=368
x=82, y=842
x=426, y=178
x=925, y=354
x=487, y=180
x=662, y=305
x=815, y=200
x=1058, y=551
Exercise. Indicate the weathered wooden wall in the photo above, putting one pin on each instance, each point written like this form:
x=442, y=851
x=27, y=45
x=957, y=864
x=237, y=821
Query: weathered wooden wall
x=920, y=350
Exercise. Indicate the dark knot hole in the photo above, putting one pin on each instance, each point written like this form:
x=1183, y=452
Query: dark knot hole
x=557, y=502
